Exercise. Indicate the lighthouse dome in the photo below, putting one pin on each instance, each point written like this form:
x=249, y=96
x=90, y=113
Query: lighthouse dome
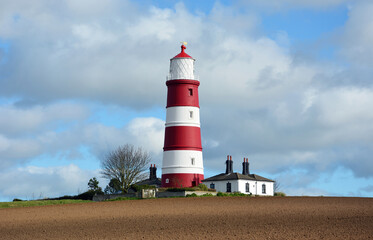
x=181, y=66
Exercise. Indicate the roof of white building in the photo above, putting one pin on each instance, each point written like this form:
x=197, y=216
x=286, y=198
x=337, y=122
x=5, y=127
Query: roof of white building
x=152, y=182
x=236, y=176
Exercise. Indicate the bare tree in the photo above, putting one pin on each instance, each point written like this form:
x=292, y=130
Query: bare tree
x=276, y=186
x=126, y=164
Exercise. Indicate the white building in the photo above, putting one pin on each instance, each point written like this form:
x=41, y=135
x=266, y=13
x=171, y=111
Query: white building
x=236, y=182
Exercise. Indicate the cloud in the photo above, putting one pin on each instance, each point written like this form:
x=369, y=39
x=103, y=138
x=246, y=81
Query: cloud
x=28, y=132
x=368, y=189
x=17, y=154
x=109, y=60
x=33, y=182
x=291, y=4
x=357, y=36
x=22, y=120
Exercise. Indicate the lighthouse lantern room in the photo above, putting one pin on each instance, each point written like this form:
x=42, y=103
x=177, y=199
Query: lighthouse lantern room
x=182, y=164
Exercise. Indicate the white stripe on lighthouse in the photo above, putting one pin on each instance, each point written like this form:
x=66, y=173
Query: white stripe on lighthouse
x=182, y=161
x=182, y=116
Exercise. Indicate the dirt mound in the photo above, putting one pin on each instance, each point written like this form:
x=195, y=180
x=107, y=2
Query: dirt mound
x=195, y=218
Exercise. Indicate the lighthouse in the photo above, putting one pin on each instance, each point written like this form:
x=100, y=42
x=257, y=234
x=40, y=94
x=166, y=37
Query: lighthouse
x=182, y=164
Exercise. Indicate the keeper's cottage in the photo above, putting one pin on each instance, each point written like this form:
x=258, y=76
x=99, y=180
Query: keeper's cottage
x=236, y=182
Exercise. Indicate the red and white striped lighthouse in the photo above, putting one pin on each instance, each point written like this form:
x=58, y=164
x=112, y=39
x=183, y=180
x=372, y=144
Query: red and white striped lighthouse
x=182, y=153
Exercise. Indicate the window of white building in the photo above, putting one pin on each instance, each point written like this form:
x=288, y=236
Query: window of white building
x=263, y=188
x=212, y=186
x=229, y=187
x=247, y=187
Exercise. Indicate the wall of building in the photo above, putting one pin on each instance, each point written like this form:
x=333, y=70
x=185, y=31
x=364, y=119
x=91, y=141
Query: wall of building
x=256, y=187
x=221, y=186
x=240, y=186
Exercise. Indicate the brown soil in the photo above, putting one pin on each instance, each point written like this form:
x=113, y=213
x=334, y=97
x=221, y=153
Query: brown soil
x=195, y=218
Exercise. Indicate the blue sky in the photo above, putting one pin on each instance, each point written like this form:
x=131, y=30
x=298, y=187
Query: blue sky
x=287, y=84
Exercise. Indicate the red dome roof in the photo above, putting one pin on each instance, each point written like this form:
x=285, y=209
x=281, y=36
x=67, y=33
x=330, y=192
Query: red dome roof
x=182, y=54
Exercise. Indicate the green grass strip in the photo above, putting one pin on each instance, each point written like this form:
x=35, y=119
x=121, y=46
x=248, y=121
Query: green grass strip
x=39, y=203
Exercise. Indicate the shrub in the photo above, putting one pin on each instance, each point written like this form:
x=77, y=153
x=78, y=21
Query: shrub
x=234, y=194
x=280, y=194
x=237, y=194
x=88, y=195
x=207, y=195
x=203, y=187
x=17, y=200
x=191, y=195
x=220, y=194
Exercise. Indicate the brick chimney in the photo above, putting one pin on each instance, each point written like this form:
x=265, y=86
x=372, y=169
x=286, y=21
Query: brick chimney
x=229, y=165
x=245, y=166
x=153, y=172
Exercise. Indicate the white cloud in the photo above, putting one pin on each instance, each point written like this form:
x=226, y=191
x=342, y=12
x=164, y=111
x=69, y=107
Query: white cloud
x=39, y=182
x=90, y=36
x=148, y=133
x=31, y=181
x=290, y=4
x=357, y=36
x=16, y=120
x=157, y=26
x=346, y=107
x=65, y=128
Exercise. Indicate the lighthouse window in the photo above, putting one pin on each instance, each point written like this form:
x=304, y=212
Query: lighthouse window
x=229, y=186
x=167, y=180
x=190, y=92
x=193, y=161
x=190, y=114
x=263, y=188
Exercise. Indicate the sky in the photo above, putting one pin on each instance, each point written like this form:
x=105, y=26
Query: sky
x=287, y=84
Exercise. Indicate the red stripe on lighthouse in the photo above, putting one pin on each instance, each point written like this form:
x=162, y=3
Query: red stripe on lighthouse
x=182, y=92
x=182, y=138
x=181, y=179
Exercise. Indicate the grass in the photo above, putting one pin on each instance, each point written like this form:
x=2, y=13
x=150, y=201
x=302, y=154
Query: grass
x=39, y=203
x=123, y=198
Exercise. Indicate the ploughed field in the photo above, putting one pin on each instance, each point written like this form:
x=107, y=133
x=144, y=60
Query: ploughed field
x=195, y=218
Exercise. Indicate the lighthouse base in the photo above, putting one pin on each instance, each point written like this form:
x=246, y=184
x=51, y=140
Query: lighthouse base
x=180, y=180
